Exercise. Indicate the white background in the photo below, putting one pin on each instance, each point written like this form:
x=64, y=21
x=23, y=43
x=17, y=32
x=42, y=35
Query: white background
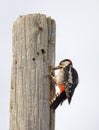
x=77, y=38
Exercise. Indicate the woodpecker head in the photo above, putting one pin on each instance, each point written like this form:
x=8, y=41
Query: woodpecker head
x=64, y=63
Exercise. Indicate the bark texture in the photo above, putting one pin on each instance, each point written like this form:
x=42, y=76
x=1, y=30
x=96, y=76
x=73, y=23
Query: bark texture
x=31, y=88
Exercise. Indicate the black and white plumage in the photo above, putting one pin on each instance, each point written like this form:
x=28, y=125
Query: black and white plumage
x=66, y=80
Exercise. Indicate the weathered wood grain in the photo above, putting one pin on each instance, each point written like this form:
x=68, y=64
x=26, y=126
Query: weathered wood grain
x=33, y=53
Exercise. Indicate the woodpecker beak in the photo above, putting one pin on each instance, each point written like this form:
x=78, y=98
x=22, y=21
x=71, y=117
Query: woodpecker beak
x=57, y=67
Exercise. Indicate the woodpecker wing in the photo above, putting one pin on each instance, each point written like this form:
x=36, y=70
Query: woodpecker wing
x=71, y=81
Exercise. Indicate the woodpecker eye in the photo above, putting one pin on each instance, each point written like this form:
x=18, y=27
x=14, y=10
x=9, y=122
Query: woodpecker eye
x=60, y=63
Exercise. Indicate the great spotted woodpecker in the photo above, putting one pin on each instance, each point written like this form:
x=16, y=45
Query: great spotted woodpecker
x=66, y=80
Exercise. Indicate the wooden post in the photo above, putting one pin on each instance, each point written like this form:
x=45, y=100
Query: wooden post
x=31, y=89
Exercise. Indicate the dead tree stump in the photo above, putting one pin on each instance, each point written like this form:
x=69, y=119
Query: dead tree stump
x=31, y=90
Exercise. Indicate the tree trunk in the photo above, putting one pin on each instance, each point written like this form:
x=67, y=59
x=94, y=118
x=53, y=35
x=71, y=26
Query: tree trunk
x=31, y=88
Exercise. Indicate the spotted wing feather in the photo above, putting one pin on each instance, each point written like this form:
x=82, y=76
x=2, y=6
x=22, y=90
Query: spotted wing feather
x=70, y=86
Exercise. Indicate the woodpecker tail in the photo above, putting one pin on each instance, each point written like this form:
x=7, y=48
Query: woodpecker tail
x=71, y=94
x=58, y=99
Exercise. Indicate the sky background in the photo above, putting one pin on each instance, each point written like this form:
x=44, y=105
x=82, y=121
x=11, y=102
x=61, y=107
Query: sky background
x=77, y=38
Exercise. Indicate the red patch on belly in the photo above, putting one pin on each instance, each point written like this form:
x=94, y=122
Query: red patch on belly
x=61, y=87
